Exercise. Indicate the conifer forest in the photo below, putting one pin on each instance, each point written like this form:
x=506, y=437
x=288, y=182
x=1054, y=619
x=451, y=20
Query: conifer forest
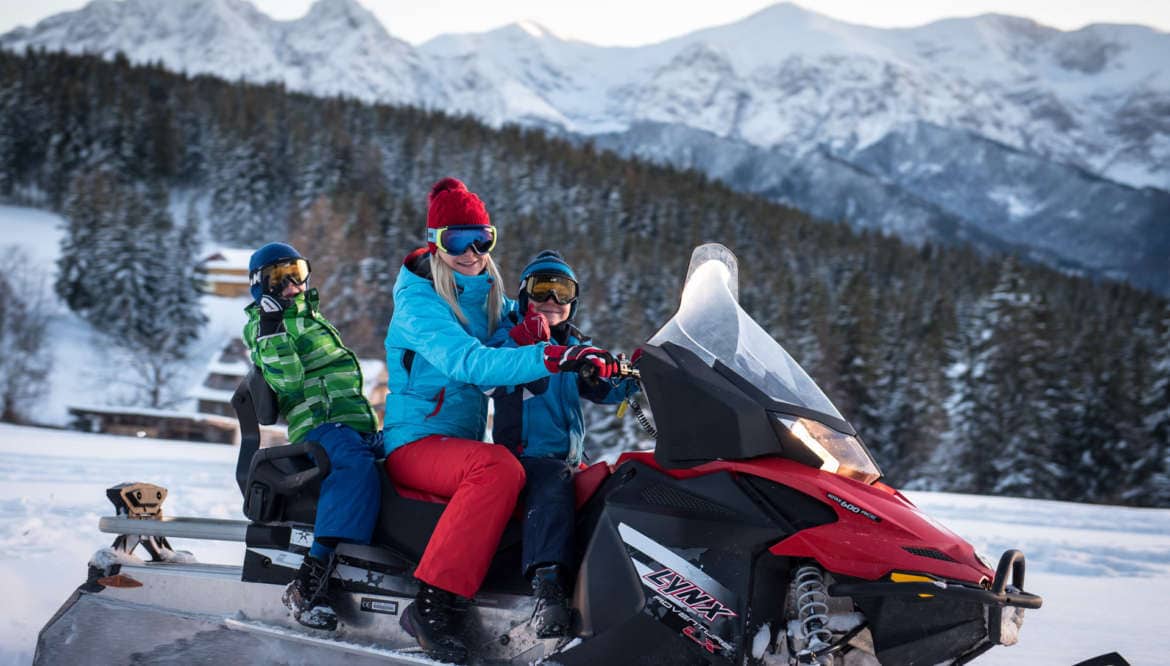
x=962, y=372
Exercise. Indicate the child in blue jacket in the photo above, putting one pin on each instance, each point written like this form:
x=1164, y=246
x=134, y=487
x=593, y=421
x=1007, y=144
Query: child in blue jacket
x=541, y=422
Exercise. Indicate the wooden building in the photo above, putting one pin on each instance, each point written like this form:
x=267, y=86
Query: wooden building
x=225, y=272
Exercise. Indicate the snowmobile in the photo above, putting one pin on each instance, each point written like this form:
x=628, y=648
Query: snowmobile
x=757, y=531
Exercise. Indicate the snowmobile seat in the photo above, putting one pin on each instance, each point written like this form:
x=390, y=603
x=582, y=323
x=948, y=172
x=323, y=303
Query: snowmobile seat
x=280, y=484
x=587, y=481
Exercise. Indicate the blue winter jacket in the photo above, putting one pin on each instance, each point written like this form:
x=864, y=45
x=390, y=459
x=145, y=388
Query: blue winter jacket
x=436, y=366
x=543, y=419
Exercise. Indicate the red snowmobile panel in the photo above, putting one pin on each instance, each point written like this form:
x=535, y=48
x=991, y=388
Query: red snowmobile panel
x=877, y=530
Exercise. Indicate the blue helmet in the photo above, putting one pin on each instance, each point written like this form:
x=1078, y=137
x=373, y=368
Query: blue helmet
x=266, y=256
x=546, y=262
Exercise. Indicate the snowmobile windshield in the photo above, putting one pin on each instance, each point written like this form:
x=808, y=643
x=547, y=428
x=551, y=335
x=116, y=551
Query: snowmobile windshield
x=710, y=323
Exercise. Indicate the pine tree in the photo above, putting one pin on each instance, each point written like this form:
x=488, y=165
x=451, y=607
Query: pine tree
x=24, y=313
x=1011, y=376
x=1156, y=406
x=857, y=369
x=91, y=212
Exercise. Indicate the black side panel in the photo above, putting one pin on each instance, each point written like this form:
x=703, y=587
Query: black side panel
x=260, y=569
x=912, y=631
x=789, y=507
x=680, y=554
x=608, y=591
x=642, y=640
x=700, y=415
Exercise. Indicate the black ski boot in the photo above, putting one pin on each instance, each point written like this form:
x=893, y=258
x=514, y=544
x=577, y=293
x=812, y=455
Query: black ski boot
x=435, y=619
x=551, y=618
x=307, y=596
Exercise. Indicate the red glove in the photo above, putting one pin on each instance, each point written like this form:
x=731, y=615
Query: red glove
x=578, y=358
x=532, y=329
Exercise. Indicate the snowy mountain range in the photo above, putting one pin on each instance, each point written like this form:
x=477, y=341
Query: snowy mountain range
x=991, y=129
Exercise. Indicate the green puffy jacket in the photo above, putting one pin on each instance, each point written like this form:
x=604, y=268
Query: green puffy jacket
x=316, y=378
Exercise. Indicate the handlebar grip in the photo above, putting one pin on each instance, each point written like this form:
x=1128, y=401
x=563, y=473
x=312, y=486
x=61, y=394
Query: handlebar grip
x=588, y=372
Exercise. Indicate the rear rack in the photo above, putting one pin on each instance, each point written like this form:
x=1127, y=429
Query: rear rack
x=214, y=529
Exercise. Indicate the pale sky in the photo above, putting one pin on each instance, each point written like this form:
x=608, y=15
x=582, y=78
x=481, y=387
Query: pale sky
x=634, y=22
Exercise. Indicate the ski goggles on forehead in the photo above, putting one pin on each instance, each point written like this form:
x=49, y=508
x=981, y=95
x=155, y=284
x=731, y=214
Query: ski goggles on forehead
x=455, y=240
x=275, y=277
x=560, y=288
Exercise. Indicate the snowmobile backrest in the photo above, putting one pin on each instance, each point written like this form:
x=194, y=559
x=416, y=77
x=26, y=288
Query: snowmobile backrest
x=272, y=479
x=255, y=404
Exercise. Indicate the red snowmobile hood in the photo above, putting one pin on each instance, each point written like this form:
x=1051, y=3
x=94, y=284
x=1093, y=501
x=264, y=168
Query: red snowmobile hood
x=877, y=531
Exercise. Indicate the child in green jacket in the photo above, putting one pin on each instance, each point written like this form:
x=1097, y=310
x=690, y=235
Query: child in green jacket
x=318, y=385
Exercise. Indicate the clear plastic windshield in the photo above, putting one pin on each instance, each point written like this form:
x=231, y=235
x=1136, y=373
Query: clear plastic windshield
x=710, y=323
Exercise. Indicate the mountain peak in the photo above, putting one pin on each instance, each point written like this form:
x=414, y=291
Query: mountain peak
x=535, y=29
x=338, y=8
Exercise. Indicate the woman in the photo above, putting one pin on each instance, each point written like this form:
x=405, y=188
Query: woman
x=448, y=301
x=542, y=423
x=318, y=386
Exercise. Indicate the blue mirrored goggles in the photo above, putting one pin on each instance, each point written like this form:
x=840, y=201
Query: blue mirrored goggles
x=455, y=240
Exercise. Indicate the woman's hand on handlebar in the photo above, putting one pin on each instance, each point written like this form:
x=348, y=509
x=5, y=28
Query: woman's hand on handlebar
x=583, y=359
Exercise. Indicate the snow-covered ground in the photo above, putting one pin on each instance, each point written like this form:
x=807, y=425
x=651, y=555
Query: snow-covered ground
x=1104, y=571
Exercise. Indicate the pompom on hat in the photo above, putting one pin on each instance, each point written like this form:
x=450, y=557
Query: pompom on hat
x=451, y=204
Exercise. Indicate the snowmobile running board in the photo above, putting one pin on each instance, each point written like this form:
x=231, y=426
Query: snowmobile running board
x=345, y=647
x=214, y=529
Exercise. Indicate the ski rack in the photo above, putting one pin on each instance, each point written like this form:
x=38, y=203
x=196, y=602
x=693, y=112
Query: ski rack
x=137, y=505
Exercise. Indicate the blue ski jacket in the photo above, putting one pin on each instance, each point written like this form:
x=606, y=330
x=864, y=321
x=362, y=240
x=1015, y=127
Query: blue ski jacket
x=436, y=365
x=543, y=419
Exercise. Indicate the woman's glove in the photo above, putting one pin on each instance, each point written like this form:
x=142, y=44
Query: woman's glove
x=532, y=329
x=580, y=358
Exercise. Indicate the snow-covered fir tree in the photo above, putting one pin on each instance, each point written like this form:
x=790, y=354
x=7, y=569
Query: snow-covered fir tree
x=1009, y=437
x=1156, y=406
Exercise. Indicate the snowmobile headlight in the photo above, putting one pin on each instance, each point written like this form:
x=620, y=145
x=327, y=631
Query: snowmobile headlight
x=839, y=453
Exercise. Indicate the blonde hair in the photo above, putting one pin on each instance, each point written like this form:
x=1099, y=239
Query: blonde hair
x=444, y=279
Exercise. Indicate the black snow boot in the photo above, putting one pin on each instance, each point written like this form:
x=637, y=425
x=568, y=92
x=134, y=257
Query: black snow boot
x=435, y=619
x=551, y=618
x=307, y=596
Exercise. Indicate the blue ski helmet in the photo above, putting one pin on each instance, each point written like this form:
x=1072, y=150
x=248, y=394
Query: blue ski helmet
x=546, y=262
x=266, y=256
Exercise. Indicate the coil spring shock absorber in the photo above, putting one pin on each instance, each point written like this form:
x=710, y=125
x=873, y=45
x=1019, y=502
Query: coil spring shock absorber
x=643, y=420
x=812, y=611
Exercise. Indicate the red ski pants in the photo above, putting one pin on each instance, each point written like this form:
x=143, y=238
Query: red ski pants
x=483, y=481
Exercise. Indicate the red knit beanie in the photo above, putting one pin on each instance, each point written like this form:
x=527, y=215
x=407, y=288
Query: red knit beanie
x=451, y=204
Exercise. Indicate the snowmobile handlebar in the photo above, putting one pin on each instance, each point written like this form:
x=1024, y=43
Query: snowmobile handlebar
x=625, y=371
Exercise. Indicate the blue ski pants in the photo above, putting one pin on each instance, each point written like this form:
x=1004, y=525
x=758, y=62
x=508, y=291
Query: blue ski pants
x=347, y=507
x=549, y=513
